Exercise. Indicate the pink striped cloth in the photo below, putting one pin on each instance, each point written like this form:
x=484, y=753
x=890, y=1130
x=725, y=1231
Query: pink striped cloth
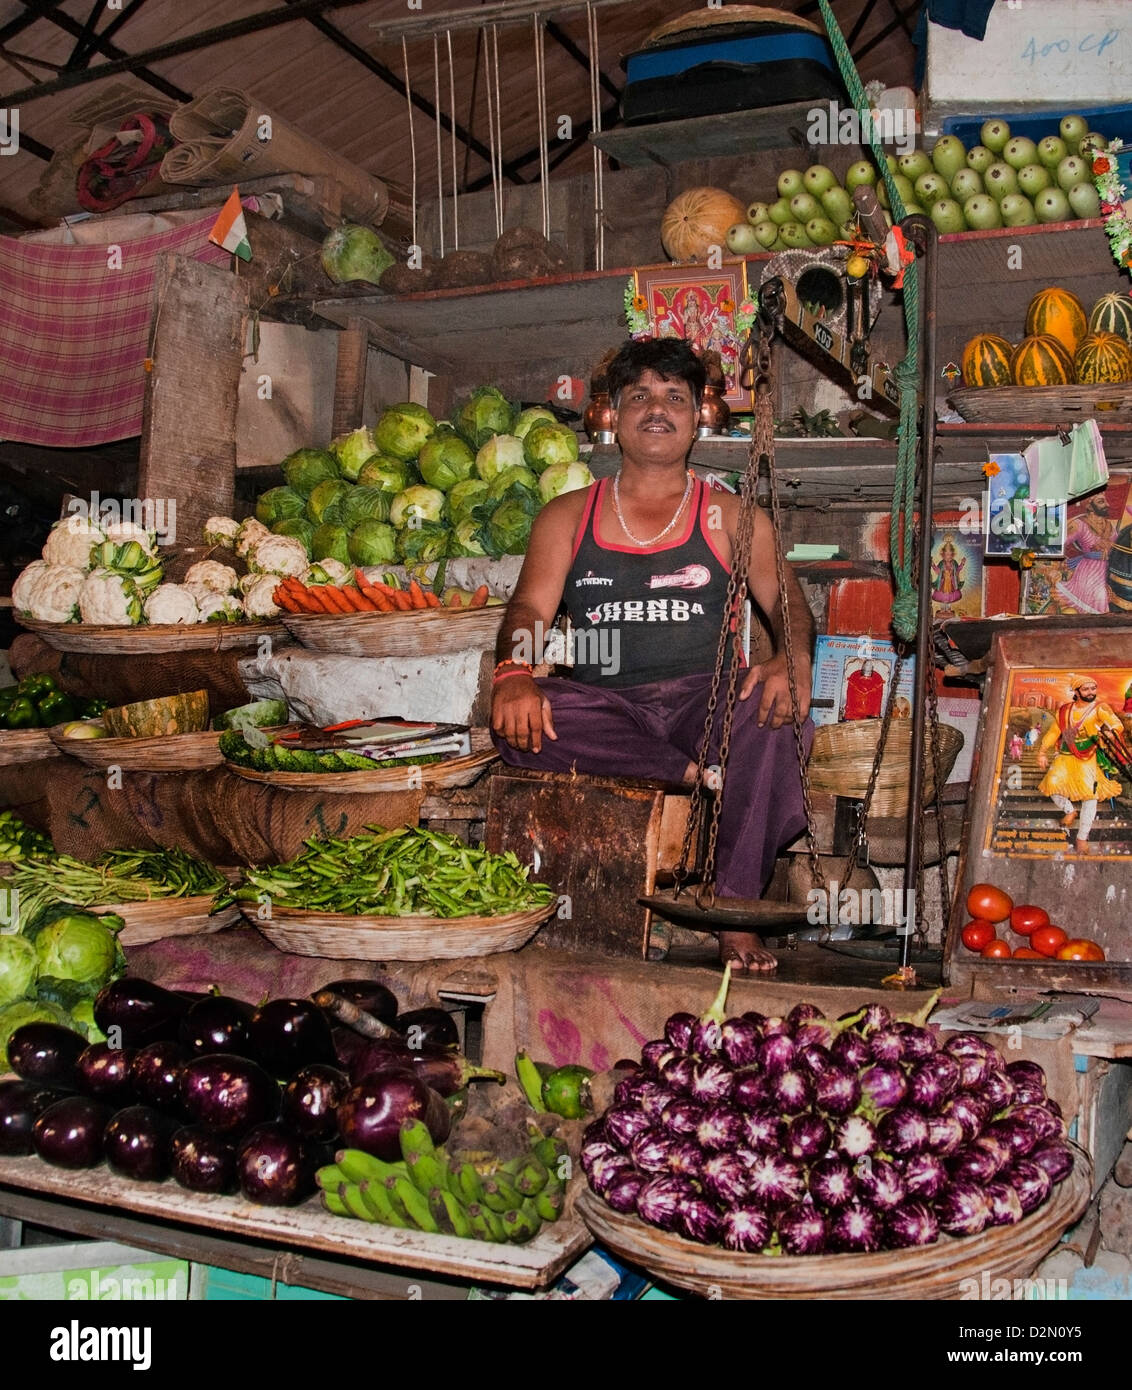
x=74, y=334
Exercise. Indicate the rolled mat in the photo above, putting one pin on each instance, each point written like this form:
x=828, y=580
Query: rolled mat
x=221, y=135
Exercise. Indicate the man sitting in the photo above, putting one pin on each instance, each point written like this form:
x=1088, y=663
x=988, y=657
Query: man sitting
x=641, y=563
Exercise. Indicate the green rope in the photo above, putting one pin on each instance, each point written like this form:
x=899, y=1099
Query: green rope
x=905, y=606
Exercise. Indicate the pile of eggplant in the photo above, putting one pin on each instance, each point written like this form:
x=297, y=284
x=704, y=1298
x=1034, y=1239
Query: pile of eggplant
x=806, y=1136
x=223, y=1096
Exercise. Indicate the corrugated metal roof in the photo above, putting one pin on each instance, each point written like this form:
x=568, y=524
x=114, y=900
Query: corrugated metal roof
x=301, y=74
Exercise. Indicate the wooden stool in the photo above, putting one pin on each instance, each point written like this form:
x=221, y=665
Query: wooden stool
x=600, y=842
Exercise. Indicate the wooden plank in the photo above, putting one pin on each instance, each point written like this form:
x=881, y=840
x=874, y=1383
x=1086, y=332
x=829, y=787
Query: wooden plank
x=188, y=447
x=350, y=377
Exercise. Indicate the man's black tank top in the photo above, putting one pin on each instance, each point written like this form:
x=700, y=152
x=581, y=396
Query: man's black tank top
x=645, y=614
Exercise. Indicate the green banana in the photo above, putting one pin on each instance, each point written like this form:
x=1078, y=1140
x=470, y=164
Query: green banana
x=415, y=1139
x=486, y=1224
x=465, y=1182
x=416, y=1206
x=376, y=1197
x=427, y=1171
x=519, y=1227
x=531, y=1081
x=334, y=1203
x=355, y=1203
x=528, y=1174
x=449, y=1214
x=330, y=1177
x=550, y=1151
x=549, y=1204
x=499, y=1194
x=359, y=1167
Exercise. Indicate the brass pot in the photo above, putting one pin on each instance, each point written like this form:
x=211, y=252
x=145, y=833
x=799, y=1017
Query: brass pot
x=598, y=418
x=715, y=413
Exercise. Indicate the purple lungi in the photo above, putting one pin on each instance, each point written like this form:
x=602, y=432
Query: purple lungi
x=653, y=731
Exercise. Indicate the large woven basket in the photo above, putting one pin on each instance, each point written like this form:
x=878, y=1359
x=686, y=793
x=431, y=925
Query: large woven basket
x=169, y=753
x=426, y=632
x=151, y=638
x=841, y=761
x=25, y=746
x=952, y=1268
x=341, y=937
x=452, y=772
x=157, y=918
x=1044, y=405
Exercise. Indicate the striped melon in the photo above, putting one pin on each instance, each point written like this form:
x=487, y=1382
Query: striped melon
x=171, y=714
x=1112, y=313
x=1103, y=358
x=1041, y=360
x=1060, y=314
x=986, y=360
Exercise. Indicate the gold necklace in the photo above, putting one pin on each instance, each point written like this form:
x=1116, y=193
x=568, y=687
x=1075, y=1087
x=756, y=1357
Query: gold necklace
x=660, y=535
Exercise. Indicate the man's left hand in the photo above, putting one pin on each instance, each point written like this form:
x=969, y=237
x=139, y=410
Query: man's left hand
x=775, y=707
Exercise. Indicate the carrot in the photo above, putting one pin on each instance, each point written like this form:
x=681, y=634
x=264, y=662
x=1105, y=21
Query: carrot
x=338, y=600
x=479, y=598
x=454, y=601
x=358, y=601
x=373, y=593
x=402, y=600
x=306, y=600
x=285, y=601
x=416, y=595
x=431, y=599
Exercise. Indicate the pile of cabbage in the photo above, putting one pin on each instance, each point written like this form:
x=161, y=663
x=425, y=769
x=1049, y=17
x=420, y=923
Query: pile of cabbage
x=414, y=490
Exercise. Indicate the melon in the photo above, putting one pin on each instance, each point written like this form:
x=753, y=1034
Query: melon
x=1112, y=313
x=171, y=714
x=1060, y=314
x=698, y=219
x=1041, y=360
x=986, y=361
x=1103, y=358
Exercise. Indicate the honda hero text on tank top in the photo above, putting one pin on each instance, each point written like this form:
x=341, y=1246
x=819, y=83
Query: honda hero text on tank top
x=656, y=611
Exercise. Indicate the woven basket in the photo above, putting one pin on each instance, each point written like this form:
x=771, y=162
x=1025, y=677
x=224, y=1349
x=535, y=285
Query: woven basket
x=841, y=761
x=453, y=772
x=157, y=918
x=25, y=746
x=150, y=638
x=427, y=632
x=938, y=1271
x=169, y=753
x=1044, y=405
x=341, y=937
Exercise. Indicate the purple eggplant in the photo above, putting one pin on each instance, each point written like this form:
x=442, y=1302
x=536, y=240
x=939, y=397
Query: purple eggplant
x=654, y=1054
x=886, y=1045
x=104, y=1072
x=597, y=1149
x=740, y=1041
x=642, y=1092
x=801, y=1229
x=371, y=996
x=933, y=1082
x=776, y=1053
x=904, y=1131
x=837, y=1091
x=227, y=1094
x=606, y=1171
x=659, y=1200
x=855, y=1137
x=1031, y=1182
x=594, y=1130
x=274, y=1167
x=919, y=1043
x=791, y=1090
x=815, y=1059
x=873, y=1018
x=764, y=1130
x=925, y=1176
x=678, y=1031
x=979, y=1162
x=831, y=1182
x=807, y=1138
x=751, y=1090
x=879, y=1183
x=945, y=1135
x=803, y=1013
x=1029, y=1072
x=746, y=1229
x=1052, y=1106
x=69, y=1132
x=1054, y=1156
x=856, y=1229
x=725, y=1178
x=625, y=1092
x=707, y=1034
x=47, y=1053
x=686, y=1158
x=218, y=1023
x=961, y=1208
x=136, y=1141
x=909, y=1225
x=851, y=1051
x=682, y=1116
x=434, y=1026
x=721, y=1129
x=371, y=1113
x=1026, y=1092
x=622, y=1193
x=776, y=1181
x=441, y=1068
x=974, y=1070
x=998, y=1091
x=155, y=1074
x=967, y=1110
x=1040, y=1120
x=814, y=1034
x=649, y=1150
x=624, y=1122
x=760, y=1021
x=1016, y=1134
x=773, y=1026
x=1004, y=1203
x=967, y=1045
x=677, y=1074
x=712, y=1081
x=698, y=1219
x=883, y=1086
x=142, y=1011
x=311, y=1099
x=287, y=1034
x=654, y=1101
x=202, y=1161
x=21, y=1104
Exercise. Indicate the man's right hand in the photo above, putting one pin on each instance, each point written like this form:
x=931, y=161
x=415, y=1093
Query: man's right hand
x=520, y=714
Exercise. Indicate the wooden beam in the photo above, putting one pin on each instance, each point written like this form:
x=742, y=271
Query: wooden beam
x=499, y=13
x=81, y=53
x=63, y=21
x=350, y=377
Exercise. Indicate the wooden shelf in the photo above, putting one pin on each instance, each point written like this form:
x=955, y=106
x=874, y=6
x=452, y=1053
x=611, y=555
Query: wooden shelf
x=706, y=137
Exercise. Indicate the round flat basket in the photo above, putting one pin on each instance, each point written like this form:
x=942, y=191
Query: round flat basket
x=453, y=772
x=154, y=637
x=25, y=746
x=169, y=753
x=841, y=761
x=427, y=632
x=340, y=937
x=157, y=918
x=1045, y=405
x=952, y=1268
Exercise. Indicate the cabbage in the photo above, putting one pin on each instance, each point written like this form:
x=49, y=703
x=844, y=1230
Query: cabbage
x=306, y=468
x=327, y=571
x=519, y=477
x=325, y=502
x=504, y=451
x=277, y=504
x=446, y=459
x=19, y=965
x=389, y=474
x=416, y=506
x=547, y=444
x=486, y=412
x=465, y=498
x=331, y=541
x=466, y=539
x=82, y=1019
x=298, y=527
x=533, y=415
x=351, y=450
x=365, y=504
x=80, y=947
x=373, y=543
x=351, y=252
x=563, y=477
x=510, y=526
x=423, y=544
x=403, y=429
x=26, y=1011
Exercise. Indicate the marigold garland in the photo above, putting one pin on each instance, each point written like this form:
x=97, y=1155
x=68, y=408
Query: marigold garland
x=1118, y=225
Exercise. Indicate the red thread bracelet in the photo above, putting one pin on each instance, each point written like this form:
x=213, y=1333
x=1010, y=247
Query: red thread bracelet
x=503, y=675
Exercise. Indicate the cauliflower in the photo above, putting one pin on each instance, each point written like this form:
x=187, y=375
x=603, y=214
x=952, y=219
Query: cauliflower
x=110, y=598
x=48, y=593
x=211, y=574
x=25, y=585
x=278, y=555
x=249, y=534
x=220, y=608
x=123, y=532
x=258, y=600
x=171, y=603
x=221, y=530
x=71, y=541
x=328, y=571
x=247, y=580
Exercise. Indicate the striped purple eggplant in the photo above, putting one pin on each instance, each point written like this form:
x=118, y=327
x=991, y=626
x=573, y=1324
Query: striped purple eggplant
x=919, y=1043
x=851, y=1051
x=803, y=1013
x=596, y=1149
x=981, y=1160
x=721, y=1129
x=801, y=1229
x=961, y=1208
x=677, y=1074
x=998, y=1091
x=883, y=1086
x=815, y=1059
x=837, y=1091
x=649, y=1150
x=682, y=1116
x=605, y=1171
x=791, y=1090
x=933, y=1081
x=726, y=1179
x=945, y=1135
x=873, y=1018
x=856, y=1229
x=712, y=1080
x=654, y=1054
x=1040, y=1120
x=686, y=1158
x=1031, y=1182
x=1028, y=1072
x=886, y=1045
x=1054, y=1156
x=764, y=1130
x=740, y=1041
x=678, y=1031
x=698, y=1219
x=879, y=1183
x=968, y=1111
x=807, y=1138
x=831, y=1182
x=1005, y=1205
x=752, y=1089
x=776, y=1053
x=925, y=1176
x=775, y=1181
x=911, y=1224
x=655, y=1101
x=904, y=1131
x=1016, y=1134
x=658, y=1201
x=746, y=1229
x=624, y=1122
x=623, y=1191
x=855, y=1137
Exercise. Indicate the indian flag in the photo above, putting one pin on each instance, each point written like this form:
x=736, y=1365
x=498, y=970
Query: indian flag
x=230, y=231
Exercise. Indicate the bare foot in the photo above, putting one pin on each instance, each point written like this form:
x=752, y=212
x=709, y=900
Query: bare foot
x=745, y=951
x=1082, y=847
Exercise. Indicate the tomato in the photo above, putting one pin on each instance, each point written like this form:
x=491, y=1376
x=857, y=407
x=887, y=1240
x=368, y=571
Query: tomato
x=1048, y=940
x=975, y=935
x=1026, y=953
x=989, y=903
x=1080, y=948
x=996, y=950
x=1025, y=917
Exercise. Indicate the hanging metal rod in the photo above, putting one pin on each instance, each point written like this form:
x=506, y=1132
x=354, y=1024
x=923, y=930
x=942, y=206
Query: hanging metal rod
x=500, y=13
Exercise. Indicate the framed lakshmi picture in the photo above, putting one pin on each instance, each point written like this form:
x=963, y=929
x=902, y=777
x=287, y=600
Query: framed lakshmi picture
x=701, y=306
x=957, y=571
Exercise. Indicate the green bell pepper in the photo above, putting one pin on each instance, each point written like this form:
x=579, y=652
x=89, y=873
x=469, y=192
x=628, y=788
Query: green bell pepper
x=36, y=686
x=21, y=714
x=93, y=707
x=56, y=708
